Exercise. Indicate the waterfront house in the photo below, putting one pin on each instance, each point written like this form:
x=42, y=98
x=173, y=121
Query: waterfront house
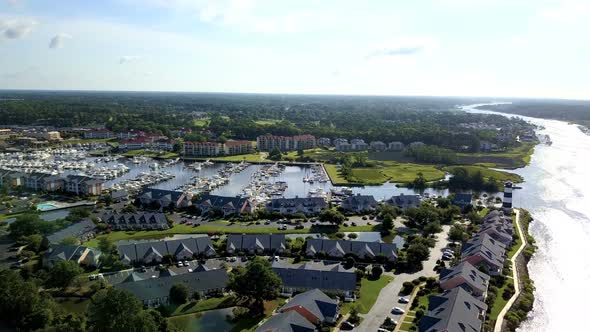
x=256, y=243
x=328, y=277
x=378, y=146
x=305, y=312
x=498, y=226
x=404, y=201
x=306, y=205
x=361, y=249
x=453, y=310
x=165, y=198
x=466, y=276
x=71, y=253
x=83, y=230
x=135, y=221
x=155, y=291
x=148, y=252
x=226, y=205
x=53, y=183
x=315, y=306
x=482, y=249
x=324, y=141
x=396, y=146
x=359, y=203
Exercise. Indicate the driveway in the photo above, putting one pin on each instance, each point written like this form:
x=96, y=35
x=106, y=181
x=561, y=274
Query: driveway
x=389, y=294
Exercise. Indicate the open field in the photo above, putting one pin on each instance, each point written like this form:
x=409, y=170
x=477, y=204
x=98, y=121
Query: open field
x=489, y=173
x=252, y=157
x=385, y=171
x=514, y=158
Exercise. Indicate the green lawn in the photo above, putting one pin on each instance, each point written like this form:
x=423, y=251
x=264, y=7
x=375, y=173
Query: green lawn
x=334, y=174
x=499, y=303
x=224, y=227
x=201, y=123
x=152, y=154
x=517, y=243
x=384, y=171
x=252, y=157
x=369, y=292
x=204, y=305
x=267, y=121
x=514, y=158
x=489, y=173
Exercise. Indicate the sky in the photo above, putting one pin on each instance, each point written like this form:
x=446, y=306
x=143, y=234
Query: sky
x=495, y=48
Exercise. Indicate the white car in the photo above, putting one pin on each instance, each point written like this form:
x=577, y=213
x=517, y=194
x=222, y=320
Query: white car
x=179, y=264
x=185, y=263
x=397, y=310
x=403, y=300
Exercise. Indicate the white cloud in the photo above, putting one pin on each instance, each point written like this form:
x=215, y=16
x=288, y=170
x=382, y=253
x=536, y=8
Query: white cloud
x=402, y=47
x=58, y=40
x=129, y=58
x=15, y=28
x=569, y=11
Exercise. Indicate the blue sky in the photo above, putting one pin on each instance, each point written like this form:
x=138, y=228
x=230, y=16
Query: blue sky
x=503, y=48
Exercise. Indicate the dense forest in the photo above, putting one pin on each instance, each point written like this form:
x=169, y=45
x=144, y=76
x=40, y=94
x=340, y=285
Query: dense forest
x=576, y=111
x=434, y=121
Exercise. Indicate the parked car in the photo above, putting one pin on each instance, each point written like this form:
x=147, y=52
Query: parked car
x=267, y=222
x=397, y=310
x=346, y=325
x=185, y=263
x=353, y=223
x=179, y=264
x=299, y=226
x=143, y=269
x=403, y=300
x=257, y=223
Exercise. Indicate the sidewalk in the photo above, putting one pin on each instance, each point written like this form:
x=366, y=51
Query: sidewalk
x=500, y=319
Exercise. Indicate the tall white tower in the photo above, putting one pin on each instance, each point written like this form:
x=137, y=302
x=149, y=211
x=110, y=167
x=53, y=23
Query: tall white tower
x=507, y=202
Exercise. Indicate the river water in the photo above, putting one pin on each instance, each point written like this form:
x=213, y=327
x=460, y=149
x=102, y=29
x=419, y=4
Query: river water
x=557, y=193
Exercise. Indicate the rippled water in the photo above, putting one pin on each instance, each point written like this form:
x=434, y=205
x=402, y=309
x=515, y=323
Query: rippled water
x=292, y=175
x=557, y=193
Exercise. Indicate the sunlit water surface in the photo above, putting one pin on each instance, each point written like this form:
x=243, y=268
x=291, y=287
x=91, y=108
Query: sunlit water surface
x=557, y=193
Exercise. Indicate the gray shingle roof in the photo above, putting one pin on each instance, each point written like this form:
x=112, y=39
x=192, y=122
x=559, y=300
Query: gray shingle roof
x=362, y=249
x=157, y=288
x=484, y=245
x=135, y=252
x=316, y=302
x=290, y=321
x=310, y=275
x=474, y=278
x=77, y=230
x=263, y=242
x=404, y=201
x=453, y=310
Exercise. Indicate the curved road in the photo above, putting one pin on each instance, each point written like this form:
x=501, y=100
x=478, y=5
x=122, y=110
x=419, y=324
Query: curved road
x=389, y=294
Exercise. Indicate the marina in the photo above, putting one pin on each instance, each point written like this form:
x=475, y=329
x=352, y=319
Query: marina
x=257, y=182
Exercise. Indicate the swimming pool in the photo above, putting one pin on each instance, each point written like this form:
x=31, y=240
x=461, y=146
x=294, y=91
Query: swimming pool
x=45, y=207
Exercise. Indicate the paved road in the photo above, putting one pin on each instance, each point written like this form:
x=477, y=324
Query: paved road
x=389, y=294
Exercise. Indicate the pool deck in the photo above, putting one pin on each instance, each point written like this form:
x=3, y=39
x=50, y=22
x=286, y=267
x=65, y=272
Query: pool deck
x=62, y=205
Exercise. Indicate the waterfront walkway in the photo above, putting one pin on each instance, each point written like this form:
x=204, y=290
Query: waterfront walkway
x=500, y=319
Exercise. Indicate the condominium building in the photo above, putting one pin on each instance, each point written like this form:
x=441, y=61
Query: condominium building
x=285, y=143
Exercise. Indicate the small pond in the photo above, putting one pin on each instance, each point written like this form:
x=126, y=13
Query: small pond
x=212, y=320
